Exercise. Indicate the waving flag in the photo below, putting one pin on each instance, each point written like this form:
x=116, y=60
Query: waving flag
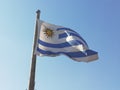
x=53, y=40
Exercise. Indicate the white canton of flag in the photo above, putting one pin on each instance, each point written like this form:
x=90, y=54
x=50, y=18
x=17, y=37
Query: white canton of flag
x=54, y=40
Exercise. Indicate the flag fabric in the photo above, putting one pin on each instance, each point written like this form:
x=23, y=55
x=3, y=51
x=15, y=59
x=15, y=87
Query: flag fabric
x=54, y=40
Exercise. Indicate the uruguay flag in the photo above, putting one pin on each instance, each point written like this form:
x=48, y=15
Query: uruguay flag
x=53, y=40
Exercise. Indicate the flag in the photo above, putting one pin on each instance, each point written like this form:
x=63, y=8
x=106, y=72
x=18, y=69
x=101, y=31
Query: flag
x=54, y=40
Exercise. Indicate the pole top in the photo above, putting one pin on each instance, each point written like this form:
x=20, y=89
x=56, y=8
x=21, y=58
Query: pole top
x=38, y=11
x=38, y=14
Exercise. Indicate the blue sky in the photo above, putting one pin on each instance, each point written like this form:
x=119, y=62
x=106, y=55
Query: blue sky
x=97, y=21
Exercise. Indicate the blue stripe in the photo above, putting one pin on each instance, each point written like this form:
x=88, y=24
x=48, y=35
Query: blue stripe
x=75, y=54
x=46, y=52
x=64, y=35
x=91, y=52
x=61, y=45
x=66, y=29
x=70, y=54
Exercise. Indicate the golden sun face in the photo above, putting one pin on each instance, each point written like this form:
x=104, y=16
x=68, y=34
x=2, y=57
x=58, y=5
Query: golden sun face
x=48, y=32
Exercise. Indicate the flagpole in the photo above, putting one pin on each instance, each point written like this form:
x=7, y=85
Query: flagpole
x=33, y=63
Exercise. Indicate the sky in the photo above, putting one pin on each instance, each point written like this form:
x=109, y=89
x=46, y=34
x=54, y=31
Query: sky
x=97, y=21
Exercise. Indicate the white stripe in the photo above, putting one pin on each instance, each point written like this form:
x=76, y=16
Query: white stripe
x=87, y=58
x=67, y=49
x=50, y=26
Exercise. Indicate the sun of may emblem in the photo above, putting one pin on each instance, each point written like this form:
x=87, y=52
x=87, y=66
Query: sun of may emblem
x=48, y=32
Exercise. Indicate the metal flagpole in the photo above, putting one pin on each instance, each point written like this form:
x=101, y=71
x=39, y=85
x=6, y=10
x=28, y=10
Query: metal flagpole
x=33, y=64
